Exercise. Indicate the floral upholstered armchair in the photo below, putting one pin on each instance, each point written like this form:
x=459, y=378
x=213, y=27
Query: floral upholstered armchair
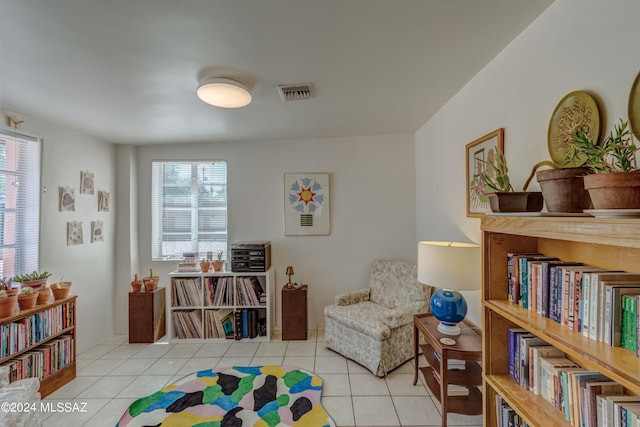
x=374, y=326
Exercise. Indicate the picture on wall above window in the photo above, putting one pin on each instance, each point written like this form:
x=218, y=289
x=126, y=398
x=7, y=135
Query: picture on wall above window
x=478, y=153
x=86, y=182
x=97, y=231
x=67, y=199
x=74, y=233
x=103, y=201
x=306, y=205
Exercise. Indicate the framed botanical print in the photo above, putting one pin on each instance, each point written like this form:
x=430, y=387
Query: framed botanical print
x=478, y=153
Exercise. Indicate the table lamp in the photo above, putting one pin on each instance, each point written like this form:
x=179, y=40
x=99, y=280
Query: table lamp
x=449, y=266
x=289, y=273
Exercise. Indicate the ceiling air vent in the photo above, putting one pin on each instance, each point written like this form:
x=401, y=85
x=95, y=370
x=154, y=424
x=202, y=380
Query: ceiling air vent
x=295, y=92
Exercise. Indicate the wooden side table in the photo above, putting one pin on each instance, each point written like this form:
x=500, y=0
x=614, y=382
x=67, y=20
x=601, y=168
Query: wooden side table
x=147, y=314
x=468, y=347
x=294, y=313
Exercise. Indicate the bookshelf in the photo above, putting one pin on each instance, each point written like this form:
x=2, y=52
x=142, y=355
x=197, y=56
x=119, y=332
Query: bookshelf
x=41, y=342
x=214, y=305
x=607, y=243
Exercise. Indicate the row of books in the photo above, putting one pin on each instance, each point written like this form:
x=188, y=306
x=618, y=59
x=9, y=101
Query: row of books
x=586, y=398
x=250, y=291
x=506, y=416
x=29, y=331
x=220, y=323
x=219, y=291
x=43, y=361
x=186, y=292
x=586, y=299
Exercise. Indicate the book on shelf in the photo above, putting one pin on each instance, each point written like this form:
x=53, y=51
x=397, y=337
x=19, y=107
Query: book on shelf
x=549, y=377
x=526, y=342
x=512, y=334
x=594, y=389
x=613, y=308
x=452, y=364
x=536, y=355
x=628, y=334
x=608, y=408
x=601, y=278
x=452, y=389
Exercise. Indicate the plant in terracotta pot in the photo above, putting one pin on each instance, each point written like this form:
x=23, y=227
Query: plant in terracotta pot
x=7, y=304
x=34, y=280
x=218, y=263
x=60, y=289
x=562, y=187
x=150, y=282
x=5, y=285
x=204, y=265
x=504, y=199
x=44, y=294
x=615, y=182
x=27, y=298
x=136, y=284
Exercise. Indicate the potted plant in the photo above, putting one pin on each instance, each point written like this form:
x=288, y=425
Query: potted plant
x=615, y=181
x=136, y=284
x=5, y=285
x=33, y=280
x=150, y=282
x=504, y=199
x=218, y=263
x=27, y=298
x=43, y=295
x=204, y=265
x=60, y=289
x=7, y=304
x=562, y=187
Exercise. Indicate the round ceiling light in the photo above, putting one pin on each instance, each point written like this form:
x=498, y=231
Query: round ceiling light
x=224, y=93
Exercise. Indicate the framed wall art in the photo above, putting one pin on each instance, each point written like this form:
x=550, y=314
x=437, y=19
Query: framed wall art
x=306, y=204
x=67, y=199
x=477, y=153
x=86, y=182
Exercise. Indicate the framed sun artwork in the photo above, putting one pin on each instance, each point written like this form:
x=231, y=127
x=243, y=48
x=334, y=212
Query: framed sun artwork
x=306, y=204
x=478, y=153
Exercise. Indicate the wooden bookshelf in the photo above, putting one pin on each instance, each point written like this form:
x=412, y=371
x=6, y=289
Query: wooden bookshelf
x=195, y=305
x=57, y=379
x=606, y=243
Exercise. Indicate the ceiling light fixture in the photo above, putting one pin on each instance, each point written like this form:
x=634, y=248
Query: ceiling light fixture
x=223, y=92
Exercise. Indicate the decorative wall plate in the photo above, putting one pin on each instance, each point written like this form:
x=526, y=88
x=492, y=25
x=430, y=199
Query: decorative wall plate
x=634, y=107
x=576, y=109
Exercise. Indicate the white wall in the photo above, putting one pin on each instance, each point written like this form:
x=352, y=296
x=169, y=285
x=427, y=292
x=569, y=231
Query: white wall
x=574, y=45
x=90, y=267
x=372, y=207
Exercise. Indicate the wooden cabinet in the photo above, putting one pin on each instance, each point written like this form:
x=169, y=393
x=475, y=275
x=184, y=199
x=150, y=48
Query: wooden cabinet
x=41, y=342
x=147, y=316
x=220, y=305
x=466, y=347
x=607, y=243
x=294, y=313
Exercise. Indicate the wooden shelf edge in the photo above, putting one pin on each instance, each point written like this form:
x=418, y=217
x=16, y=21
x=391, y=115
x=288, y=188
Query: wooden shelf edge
x=56, y=380
x=618, y=364
x=533, y=408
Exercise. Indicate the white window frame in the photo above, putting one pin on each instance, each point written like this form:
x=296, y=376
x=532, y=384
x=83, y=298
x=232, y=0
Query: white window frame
x=204, y=236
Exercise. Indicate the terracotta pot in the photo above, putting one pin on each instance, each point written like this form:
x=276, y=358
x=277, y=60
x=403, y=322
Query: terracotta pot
x=563, y=189
x=150, y=283
x=204, y=266
x=35, y=284
x=27, y=302
x=136, y=285
x=217, y=265
x=615, y=190
x=8, y=306
x=43, y=296
x=516, y=201
x=13, y=291
x=61, y=290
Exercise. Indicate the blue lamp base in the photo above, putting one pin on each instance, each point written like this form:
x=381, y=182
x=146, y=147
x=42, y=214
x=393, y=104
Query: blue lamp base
x=450, y=308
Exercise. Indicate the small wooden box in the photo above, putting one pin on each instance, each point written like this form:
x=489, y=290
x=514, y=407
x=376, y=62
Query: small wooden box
x=294, y=313
x=147, y=316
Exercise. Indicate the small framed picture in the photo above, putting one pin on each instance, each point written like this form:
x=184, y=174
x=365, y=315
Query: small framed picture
x=97, y=231
x=103, y=201
x=478, y=152
x=67, y=199
x=86, y=182
x=74, y=233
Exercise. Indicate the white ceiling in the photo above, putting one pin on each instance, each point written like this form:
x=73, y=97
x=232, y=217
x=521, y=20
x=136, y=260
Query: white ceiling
x=127, y=70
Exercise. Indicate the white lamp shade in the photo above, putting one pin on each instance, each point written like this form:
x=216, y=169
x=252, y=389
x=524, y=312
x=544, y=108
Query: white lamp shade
x=449, y=265
x=223, y=92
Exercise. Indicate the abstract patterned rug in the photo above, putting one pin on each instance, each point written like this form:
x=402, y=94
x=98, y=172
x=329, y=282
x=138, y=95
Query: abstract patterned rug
x=247, y=396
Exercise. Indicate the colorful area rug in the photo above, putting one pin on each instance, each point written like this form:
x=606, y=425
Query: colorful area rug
x=247, y=396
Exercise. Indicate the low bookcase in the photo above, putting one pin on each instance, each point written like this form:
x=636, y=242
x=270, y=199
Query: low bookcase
x=41, y=342
x=220, y=305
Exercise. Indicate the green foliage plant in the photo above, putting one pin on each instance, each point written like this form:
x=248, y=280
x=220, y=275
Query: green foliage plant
x=617, y=153
x=496, y=173
x=28, y=277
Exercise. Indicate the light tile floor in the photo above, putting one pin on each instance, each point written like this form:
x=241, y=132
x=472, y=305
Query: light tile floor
x=110, y=376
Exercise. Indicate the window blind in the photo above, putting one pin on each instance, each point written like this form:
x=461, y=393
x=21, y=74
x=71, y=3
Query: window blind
x=189, y=208
x=19, y=203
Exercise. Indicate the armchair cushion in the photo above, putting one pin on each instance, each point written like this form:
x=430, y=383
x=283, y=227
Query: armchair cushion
x=395, y=284
x=397, y=317
x=365, y=317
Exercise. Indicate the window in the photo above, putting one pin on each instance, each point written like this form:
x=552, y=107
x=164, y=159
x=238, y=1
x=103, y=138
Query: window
x=19, y=203
x=189, y=208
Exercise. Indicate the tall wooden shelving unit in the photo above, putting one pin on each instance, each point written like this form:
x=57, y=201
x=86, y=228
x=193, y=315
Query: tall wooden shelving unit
x=62, y=323
x=606, y=243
